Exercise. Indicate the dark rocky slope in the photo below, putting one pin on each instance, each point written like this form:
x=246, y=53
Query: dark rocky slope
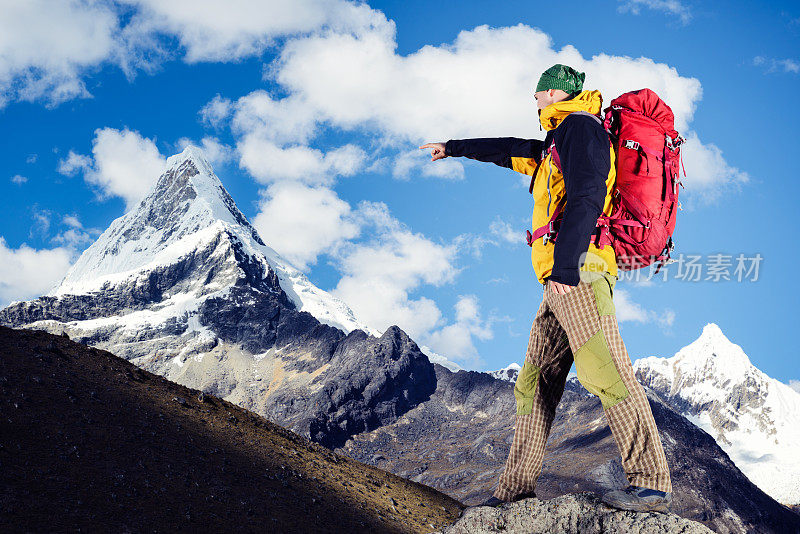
x=89, y=442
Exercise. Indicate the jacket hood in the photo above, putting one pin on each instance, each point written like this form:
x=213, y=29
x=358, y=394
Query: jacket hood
x=552, y=115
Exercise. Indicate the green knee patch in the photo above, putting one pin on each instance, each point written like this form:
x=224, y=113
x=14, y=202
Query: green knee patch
x=603, y=288
x=525, y=387
x=597, y=372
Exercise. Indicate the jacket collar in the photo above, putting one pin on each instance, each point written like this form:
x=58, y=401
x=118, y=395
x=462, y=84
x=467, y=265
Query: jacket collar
x=552, y=115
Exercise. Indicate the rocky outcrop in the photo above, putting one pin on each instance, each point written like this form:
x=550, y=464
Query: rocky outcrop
x=579, y=513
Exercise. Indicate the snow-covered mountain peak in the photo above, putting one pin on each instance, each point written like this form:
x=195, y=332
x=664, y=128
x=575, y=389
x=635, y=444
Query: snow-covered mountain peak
x=754, y=417
x=712, y=357
x=189, y=209
x=193, y=154
x=508, y=373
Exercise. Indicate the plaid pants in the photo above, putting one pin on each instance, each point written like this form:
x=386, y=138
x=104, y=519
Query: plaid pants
x=581, y=324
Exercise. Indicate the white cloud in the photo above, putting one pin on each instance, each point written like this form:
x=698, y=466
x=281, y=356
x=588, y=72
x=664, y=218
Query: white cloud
x=49, y=47
x=626, y=309
x=708, y=175
x=19, y=179
x=123, y=164
x=381, y=275
x=41, y=218
x=26, y=272
x=674, y=7
x=268, y=162
x=217, y=31
x=456, y=339
x=216, y=111
x=480, y=85
x=288, y=120
x=302, y=222
x=378, y=275
x=46, y=46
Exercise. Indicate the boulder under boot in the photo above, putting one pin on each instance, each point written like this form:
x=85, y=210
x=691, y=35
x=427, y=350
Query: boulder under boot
x=639, y=499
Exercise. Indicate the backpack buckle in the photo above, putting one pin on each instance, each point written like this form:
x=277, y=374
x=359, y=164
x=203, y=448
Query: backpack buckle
x=550, y=233
x=630, y=143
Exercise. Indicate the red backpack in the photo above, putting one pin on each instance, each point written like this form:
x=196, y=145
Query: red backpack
x=648, y=160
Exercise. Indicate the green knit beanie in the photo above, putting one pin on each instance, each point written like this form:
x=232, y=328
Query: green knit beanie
x=561, y=77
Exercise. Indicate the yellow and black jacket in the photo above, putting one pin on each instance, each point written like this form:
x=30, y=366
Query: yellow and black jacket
x=586, y=184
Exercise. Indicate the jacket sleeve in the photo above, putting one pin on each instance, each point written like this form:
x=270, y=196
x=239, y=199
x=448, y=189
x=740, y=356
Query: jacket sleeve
x=521, y=155
x=583, y=147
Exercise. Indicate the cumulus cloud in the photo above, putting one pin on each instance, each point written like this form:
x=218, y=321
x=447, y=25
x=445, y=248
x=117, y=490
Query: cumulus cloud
x=456, y=340
x=302, y=222
x=123, y=164
x=479, y=85
x=268, y=162
x=26, y=272
x=216, y=31
x=49, y=47
x=379, y=274
x=708, y=175
x=19, y=179
x=46, y=46
x=381, y=277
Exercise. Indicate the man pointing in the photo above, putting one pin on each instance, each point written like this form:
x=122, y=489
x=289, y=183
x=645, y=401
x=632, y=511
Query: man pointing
x=572, y=179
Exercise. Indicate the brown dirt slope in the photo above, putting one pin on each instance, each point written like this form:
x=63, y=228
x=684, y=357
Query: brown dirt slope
x=90, y=442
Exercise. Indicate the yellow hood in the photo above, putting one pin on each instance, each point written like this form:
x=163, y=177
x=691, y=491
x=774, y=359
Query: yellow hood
x=552, y=115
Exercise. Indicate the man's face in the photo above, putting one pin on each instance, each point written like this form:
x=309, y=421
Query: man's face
x=544, y=98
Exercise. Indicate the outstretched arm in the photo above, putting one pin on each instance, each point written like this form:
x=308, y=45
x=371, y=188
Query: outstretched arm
x=521, y=155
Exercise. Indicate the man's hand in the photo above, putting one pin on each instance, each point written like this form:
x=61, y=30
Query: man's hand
x=437, y=150
x=558, y=287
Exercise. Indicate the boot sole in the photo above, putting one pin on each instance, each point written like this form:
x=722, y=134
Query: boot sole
x=640, y=507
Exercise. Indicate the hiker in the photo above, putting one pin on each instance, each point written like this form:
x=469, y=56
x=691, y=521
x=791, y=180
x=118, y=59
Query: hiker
x=576, y=318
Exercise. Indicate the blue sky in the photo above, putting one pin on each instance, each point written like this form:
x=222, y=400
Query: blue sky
x=312, y=115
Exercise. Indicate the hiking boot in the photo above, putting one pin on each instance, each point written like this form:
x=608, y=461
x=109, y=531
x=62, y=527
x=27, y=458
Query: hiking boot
x=494, y=501
x=531, y=495
x=639, y=499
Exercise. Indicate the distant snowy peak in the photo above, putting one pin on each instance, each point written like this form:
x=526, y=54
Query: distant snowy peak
x=508, y=373
x=187, y=208
x=187, y=199
x=754, y=418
